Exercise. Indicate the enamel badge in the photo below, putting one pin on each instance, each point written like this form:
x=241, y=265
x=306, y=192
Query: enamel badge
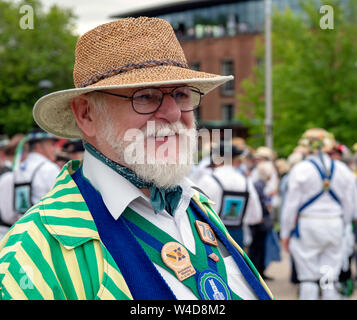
x=214, y=257
x=176, y=257
x=206, y=233
x=211, y=286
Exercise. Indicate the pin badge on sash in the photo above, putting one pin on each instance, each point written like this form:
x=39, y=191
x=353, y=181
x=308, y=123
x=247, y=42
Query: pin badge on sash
x=326, y=184
x=214, y=257
x=206, y=233
x=176, y=257
x=211, y=286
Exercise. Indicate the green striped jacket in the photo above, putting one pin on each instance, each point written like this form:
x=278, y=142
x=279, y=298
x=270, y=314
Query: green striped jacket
x=54, y=251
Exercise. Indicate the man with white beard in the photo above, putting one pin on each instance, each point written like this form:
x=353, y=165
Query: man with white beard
x=125, y=223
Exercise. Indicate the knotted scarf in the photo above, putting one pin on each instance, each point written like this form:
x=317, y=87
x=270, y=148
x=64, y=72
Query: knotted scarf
x=160, y=198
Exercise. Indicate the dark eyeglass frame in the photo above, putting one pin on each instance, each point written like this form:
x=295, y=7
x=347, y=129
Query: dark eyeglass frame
x=163, y=94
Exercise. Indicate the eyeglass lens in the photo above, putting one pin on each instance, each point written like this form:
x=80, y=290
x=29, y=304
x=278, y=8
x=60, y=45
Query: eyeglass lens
x=149, y=99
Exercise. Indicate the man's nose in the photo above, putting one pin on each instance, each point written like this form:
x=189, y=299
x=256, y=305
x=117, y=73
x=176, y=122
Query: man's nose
x=169, y=110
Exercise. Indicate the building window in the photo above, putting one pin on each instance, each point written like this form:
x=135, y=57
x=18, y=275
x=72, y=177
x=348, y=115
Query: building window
x=227, y=69
x=227, y=112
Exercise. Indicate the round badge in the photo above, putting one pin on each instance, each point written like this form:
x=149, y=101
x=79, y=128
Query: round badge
x=211, y=286
x=176, y=257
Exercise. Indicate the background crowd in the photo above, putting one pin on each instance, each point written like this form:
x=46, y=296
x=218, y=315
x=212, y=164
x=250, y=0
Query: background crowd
x=267, y=178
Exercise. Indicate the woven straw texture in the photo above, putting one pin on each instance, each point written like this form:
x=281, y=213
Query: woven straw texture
x=132, y=52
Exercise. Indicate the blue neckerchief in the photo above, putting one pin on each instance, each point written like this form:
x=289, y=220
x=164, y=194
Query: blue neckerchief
x=160, y=198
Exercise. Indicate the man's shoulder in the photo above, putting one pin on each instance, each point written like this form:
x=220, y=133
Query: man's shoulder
x=302, y=169
x=343, y=169
x=24, y=237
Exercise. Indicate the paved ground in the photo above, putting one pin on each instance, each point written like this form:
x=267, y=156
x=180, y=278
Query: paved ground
x=281, y=287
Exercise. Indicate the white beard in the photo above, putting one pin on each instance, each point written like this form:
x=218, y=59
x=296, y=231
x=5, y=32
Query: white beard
x=163, y=171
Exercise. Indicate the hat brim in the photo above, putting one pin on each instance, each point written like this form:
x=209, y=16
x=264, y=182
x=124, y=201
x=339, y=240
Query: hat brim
x=53, y=112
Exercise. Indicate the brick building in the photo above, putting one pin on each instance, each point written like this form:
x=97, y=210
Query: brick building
x=218, y=36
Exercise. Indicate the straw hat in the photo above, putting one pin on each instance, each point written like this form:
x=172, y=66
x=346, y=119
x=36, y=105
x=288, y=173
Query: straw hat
x=317, y=138
x=264, y=153
x=127, y=53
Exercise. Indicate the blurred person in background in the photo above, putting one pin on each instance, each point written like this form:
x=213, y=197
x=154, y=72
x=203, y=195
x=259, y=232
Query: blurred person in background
x=7, y=152
x=353, y=164
x=340, y=152
x=272, y=185
x=31, y=179
x=249, y=162
x=62, y=158
x=235, y=198
x=74, y=148
x=282, y=166
x=71, y=149
x=292, y=160
x=319, y=203
x=258, y=252
x=5, y=163
x=346, y=284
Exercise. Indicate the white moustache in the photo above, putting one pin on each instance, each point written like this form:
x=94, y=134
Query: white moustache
x=164, y=130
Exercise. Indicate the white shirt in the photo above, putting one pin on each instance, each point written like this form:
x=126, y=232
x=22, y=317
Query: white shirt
x=305, y=181
x=233, y=180
x=118, y=193
x=43, y=181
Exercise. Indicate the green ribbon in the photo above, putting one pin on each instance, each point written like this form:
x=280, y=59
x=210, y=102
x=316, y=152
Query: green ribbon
x=199, y=260
x=160, y=198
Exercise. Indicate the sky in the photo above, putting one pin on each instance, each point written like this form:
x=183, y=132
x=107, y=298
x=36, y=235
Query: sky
x=92, y=13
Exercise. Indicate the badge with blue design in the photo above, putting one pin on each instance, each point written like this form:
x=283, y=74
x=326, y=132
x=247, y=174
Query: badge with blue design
x=211, y=286
x=177, y=258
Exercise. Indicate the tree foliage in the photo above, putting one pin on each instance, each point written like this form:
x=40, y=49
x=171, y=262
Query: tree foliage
x=314, y=77
x=29, y=56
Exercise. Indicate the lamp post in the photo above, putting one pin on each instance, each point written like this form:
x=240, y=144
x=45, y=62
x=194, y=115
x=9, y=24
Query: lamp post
x=268, y=78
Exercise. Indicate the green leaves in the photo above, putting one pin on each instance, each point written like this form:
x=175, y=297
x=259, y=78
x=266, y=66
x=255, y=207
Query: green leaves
x=314, y=77
x=28, y=56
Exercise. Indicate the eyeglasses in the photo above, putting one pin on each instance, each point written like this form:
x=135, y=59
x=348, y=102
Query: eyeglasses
x=149, y=100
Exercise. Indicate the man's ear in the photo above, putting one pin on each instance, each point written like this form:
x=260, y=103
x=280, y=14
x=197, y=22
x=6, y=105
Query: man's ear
x=84, y=115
